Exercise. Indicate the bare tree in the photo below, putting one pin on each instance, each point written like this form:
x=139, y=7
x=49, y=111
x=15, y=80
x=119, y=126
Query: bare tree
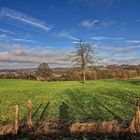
x=84, y=56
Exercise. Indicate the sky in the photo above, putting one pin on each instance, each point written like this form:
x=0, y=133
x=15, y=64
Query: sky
x=36, y=31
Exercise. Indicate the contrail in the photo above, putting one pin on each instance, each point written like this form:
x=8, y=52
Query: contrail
x=24, y=18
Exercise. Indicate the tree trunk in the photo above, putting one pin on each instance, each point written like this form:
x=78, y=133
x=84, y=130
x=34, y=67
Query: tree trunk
x=83, y=75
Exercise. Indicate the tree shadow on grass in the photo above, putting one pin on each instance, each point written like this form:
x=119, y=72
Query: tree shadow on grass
x=116, y=117
x=121, y=101
x=64, y=112
x=124, y=98
x=44, y=113
x=77, y=104
x=36, y=115
x=88, y=107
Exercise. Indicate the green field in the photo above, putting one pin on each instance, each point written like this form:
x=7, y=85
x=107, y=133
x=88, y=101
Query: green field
x=94, y=100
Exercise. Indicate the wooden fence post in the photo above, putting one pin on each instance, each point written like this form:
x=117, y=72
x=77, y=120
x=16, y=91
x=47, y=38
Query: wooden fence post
x=29, y=117
x=16, y=118
x=135, y=123
x=137, y=116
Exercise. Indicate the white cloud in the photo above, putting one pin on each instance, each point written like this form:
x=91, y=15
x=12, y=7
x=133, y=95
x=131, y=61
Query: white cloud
x=134, y=44
x=130, y=61
x=89, y=24
x=100, y=38
x=123, y=54
x=132, y=41
x=106, y=23
x=97, y=24
x=3, y=53
x=4, y=37
x=66, y=35
x=63, y=34
x=12, y=14
x=75, y=42
x=16, y=65
x=23, y=55
x=23, y=40
x=6, y=31
x=126, y=49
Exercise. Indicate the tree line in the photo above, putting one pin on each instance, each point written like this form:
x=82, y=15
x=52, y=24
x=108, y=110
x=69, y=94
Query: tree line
x=83, y=60
x=70, y=74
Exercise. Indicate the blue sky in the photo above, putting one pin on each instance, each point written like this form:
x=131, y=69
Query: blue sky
x=35, y=31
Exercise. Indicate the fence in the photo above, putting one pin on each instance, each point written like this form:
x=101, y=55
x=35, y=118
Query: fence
x=58, y=126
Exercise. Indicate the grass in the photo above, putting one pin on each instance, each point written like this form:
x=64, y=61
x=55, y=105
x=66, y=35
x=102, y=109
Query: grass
x=94, y=100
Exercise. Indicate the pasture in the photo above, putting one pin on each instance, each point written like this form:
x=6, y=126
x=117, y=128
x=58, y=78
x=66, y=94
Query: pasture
x=95, y=100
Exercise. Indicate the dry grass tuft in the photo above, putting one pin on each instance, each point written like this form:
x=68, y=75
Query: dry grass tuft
x=52, y=126
x=7, y=129
x=104, y=127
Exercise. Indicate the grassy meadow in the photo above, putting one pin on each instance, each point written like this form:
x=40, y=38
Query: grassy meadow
x=94, y=100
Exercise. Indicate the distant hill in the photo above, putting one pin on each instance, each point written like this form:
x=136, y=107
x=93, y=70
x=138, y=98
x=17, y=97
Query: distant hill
x=15, y=70
x=32, y=69
x=67, y=68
